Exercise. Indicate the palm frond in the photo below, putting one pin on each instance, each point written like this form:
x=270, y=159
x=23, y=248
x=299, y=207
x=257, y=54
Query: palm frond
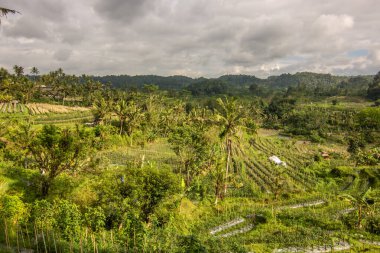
x=4, y=12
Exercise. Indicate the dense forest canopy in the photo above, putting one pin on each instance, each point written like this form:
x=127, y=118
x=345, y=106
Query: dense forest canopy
x=308, y=79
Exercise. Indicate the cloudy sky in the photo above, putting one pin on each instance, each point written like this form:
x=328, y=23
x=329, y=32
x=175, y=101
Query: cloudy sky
x=192, y=37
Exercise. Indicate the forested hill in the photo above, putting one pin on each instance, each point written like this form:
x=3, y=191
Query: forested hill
x=126, y=81
x=303, y=79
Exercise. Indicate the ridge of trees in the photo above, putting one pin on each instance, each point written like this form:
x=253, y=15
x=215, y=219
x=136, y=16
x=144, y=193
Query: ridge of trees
x=301, y=83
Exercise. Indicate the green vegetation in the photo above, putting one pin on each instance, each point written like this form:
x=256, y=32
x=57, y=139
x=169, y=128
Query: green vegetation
x=234, y=164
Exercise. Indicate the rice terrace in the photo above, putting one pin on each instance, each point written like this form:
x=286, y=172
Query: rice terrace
x=229, y=134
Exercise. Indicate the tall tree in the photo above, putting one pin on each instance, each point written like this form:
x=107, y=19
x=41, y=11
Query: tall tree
x=101, y=108
x=229, y=116
x=53, y=151
x=19, y=70
x=134, y=116
x=189, y=142
x=34, y=71
x=373, y=91
x=121, y=110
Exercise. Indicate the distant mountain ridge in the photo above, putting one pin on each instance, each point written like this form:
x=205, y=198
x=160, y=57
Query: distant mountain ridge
x=308, y=79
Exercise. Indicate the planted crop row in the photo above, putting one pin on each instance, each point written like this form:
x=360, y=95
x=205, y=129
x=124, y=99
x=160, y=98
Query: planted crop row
x=268, y=146
x=295, y=174
x=267, y=179
x=11, y=108
x=297, y=179
x=310, y=179
x=258, y=181
x=2, y=107
x=291, y=170
x=266, y=175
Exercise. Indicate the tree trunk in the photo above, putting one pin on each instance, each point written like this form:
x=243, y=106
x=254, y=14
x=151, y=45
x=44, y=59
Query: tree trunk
x=45, y=187
x=228, y=146
x=187, y=174
x=360, y=217
x=121, y=125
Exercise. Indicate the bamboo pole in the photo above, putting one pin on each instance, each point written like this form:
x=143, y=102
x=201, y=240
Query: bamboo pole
x=80, y=243
x=27, y=235
x=36, y=238
x=6, y=233
x=43, y=239
x=17, y=241
x=22, y=238
x=55, y=245
x=93, y=243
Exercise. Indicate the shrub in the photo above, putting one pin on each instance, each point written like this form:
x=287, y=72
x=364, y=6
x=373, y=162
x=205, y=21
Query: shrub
x=13, y=209
x=68, y=219
x=373, y=225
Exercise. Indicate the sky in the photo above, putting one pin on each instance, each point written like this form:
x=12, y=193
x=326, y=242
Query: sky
x=192, y=37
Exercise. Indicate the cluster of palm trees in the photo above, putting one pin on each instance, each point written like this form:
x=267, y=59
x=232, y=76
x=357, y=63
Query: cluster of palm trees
x=55, y=86
x=151, y=112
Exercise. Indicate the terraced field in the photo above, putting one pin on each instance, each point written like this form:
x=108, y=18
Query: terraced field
x=42, y=113
x=39, y=108
x=243, y=227
x=267, y=175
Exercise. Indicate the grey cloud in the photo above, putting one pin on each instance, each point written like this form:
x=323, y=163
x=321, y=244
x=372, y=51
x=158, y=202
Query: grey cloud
x=198, y=37
x=26, y=29
x=122, y=10
x=62, y=54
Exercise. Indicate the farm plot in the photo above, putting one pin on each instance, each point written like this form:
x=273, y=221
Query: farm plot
x=158, y=153
x=40, y=108
x=12, y=108
x=73, y=117
x=267, y=175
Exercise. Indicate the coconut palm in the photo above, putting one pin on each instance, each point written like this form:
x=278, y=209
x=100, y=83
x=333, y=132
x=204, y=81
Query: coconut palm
x=121, y=110
x=34, y=71
x=230, y=117
x=101, y=108
x=19, y=70
x=134, y=117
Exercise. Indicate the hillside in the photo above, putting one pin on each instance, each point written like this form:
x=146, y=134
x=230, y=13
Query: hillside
x=306, y=79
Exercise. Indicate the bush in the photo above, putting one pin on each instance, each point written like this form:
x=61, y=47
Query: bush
x=13, y=209
x=68, y=219
x=95, y=218
x=373, y=225
x=191, y=244
x=43, y=214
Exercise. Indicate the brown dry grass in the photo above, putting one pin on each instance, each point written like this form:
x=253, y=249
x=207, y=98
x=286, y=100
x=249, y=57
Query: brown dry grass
x=39, y=108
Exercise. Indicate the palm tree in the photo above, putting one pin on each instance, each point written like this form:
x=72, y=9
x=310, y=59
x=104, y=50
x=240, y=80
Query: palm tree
x=359, y=200
x=134, y=116
x=34, y=71
x=101, y=108
x=19, y=70
x=4, y=12
x=229, y=116
x=121, y=110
